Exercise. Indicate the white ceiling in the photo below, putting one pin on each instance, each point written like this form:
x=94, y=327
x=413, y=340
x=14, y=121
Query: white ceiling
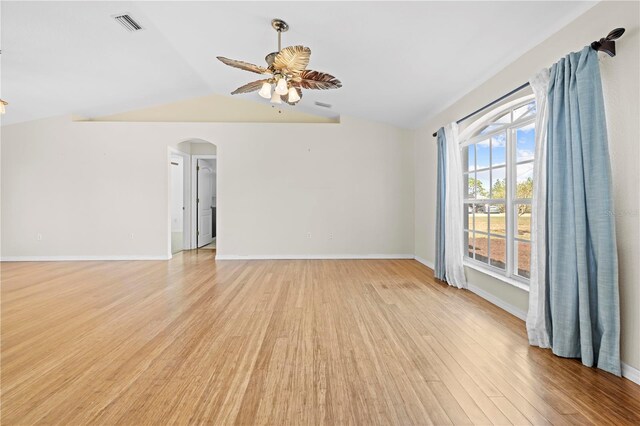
x=399, y=62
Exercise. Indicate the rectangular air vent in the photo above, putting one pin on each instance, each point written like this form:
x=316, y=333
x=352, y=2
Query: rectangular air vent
x=323, y=105
x=128, y=22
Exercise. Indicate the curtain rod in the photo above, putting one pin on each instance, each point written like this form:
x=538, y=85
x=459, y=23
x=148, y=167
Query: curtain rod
x=605, y=44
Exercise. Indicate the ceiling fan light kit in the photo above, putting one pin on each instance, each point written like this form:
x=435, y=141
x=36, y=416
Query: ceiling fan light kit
x=288, y=69
x=265, y=91
x=293, y=95
x=275, y=98
x=281, y=87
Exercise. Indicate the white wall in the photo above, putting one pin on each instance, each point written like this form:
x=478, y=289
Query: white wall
x=177, y=205
x=177, y=193
x=88, y=187
x=621, y=77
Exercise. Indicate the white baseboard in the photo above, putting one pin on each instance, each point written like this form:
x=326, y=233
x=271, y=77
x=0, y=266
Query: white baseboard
x=631, y=373
x=498, y=302
x=628, y=372
x=80, y=258
x=310, y=256
x=485, y=295
x=218, y=257
x=425, y=262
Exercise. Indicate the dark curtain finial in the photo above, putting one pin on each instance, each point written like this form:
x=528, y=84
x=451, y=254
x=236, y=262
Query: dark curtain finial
x=607, y=44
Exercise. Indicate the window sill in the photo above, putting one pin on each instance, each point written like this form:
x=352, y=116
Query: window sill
x=496, y=275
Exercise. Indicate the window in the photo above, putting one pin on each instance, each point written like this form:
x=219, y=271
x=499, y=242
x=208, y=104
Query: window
x=497, y=155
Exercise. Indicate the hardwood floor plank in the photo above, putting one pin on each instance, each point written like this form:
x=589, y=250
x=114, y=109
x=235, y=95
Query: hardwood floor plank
x=458, y=379
x=515, y=416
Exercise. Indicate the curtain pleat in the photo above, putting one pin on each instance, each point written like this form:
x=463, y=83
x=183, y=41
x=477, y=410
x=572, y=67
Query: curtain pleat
x=582, y=264
x=454, y=228
x=538, y=314
x=439, y=267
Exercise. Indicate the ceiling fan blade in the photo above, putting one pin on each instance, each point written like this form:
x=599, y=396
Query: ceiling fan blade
x=243, y=65
x=317, y=80
x=250, y=87
x=292, y=59
x=286, y=98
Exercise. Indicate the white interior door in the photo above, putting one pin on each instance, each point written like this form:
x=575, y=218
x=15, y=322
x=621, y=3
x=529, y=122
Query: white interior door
x=205, y=203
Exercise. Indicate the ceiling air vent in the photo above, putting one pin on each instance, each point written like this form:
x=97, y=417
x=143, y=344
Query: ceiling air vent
x=323, y=105
x=128, y=22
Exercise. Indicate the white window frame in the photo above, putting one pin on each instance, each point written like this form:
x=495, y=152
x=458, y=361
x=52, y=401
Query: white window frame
x=468, y=138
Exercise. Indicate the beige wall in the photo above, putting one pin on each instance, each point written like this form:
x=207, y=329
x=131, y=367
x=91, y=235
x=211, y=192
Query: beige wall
x=222, y=109
x=101, y=188
x=621, y=76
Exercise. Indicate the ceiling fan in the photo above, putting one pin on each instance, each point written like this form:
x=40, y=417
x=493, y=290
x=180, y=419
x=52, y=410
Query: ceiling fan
x=288, y=72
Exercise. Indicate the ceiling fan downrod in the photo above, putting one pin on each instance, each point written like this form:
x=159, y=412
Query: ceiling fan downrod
x=281, y=27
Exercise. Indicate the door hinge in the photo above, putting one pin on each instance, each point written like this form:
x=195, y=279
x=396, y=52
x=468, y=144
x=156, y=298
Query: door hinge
x=198, y=168
x=198, y=200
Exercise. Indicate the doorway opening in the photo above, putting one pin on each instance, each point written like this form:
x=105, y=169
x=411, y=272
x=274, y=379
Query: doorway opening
x=198, y=209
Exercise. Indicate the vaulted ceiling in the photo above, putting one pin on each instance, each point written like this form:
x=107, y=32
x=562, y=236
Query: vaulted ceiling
x=399, y=62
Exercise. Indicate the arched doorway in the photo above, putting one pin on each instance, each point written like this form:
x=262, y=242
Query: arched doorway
x=199, y=198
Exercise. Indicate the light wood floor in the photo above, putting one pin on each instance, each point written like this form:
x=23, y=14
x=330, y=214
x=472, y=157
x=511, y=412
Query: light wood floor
x=280, y=342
